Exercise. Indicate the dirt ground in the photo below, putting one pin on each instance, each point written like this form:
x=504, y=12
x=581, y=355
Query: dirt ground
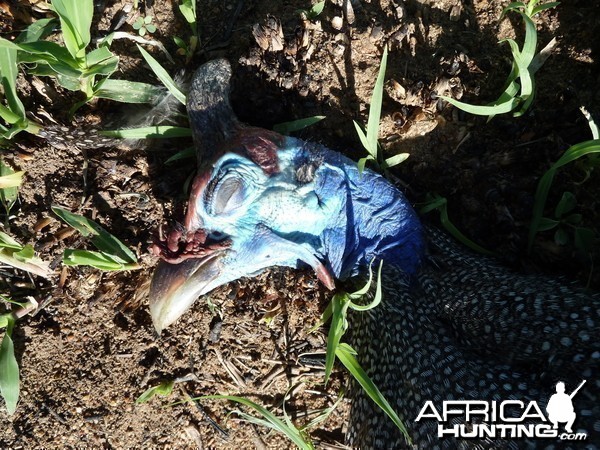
x=91, y=350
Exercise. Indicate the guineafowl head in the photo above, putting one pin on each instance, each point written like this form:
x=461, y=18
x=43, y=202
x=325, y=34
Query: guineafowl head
x=261, y=200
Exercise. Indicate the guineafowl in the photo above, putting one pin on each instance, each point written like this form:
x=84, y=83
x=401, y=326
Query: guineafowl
x=453, y=326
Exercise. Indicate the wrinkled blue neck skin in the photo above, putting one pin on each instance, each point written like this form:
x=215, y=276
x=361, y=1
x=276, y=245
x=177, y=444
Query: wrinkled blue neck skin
x=374, y=220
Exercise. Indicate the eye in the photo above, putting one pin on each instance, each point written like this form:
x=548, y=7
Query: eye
x=225, y=194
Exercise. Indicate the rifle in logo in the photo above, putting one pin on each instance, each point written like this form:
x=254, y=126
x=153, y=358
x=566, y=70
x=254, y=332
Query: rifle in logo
x=560, y=406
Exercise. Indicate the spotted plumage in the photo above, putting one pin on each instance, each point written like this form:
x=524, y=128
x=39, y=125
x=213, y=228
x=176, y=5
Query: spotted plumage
x=465, y=327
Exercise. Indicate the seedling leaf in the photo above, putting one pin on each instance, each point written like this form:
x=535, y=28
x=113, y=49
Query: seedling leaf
x=9, y=183
x=37, y=31
x=163, y=76
x=9, y=369
x=102, y=239
x=543, y=188
x=162, y=131
x=271, y=420
x=75, y=19
x=346, y=355
x=99, y=260
x=296, y=125
x=163, y=389
x=128, y=91
x=187, y=153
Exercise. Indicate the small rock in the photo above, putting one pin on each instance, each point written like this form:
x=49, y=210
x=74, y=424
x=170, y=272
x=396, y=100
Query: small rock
x=337, y=22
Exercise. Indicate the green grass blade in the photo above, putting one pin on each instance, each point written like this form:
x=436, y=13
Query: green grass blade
x=187, y=153
x=541, y=194
x=458, y=235
x=163, y=131
x=363, y=290
x=363, y=138
x=9, y=370
x=378, y=294
x=323, y=415
x=361, y=163
x=337, y=329
x=522, y=68
x=75, y=20
x=543, y=7
x=163, y=76
x=514, y=6
x=296, y=125
x=345, y=354
x=99, y=260
x=273, y=421
x=128, y=91
x=163, y=389
x=375, y=106
x=437, y=202
x=488, y=110
x=395, y=160
x=102, y=239
x=433, y=202
x=530, y=44
x=324, y=318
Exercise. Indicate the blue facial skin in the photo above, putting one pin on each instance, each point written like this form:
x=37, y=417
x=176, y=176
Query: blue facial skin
x=317, y=210
x=333, y=216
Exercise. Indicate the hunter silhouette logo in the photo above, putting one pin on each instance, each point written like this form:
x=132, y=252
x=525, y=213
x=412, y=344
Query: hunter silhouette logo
x=512, y=419
x=560, y=407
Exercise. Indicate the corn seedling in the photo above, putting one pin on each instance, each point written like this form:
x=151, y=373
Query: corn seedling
x=573, y=153
x=188, y=10
x=21, y=256
x=112, y=254
x=370, y=140
x=73, y=65
x=565, y=221
x=520, y=84
x=437, y=202
x=337, y=311
x=12, y=111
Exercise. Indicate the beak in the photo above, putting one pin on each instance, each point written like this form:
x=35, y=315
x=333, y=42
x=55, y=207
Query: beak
x=175, y=287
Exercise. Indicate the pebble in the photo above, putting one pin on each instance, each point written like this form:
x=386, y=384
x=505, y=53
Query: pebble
x=337, y=22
